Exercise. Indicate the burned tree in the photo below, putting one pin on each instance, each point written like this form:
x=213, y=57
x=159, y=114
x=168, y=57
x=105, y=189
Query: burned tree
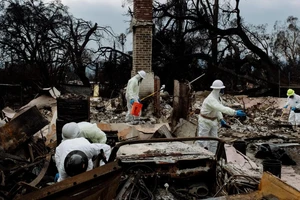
x=44, y=40
x=286, y=47
x=26, y=40
x=202, y=24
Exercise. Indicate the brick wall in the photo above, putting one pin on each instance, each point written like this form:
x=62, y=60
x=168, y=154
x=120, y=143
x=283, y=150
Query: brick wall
x=142, y=49
x=142, y=43
x=142, y=9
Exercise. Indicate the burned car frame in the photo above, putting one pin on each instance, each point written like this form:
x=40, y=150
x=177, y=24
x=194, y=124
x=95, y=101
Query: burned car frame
x=174, y=168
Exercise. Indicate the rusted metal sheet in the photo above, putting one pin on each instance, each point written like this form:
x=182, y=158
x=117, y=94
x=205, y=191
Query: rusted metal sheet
x=220, y=153
x=99, y=183
x=21, y=128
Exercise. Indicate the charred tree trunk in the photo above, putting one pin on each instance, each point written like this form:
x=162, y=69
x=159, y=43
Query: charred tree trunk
x=181, y=102
x=80, y=71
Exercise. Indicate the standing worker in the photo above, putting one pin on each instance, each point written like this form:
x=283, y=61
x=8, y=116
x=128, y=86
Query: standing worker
x=293, y=100
x=132, y=92
x=74, y=154
x=211, y=113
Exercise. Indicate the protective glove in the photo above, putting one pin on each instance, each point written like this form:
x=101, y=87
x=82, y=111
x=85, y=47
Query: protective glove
x=240, y=113
x=285, y=106
x=293, y=108
x=131, y=101
x=56, y=177
x=223, y=122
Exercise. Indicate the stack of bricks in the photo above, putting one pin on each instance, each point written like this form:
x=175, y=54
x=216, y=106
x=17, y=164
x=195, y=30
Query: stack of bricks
x=142, y=43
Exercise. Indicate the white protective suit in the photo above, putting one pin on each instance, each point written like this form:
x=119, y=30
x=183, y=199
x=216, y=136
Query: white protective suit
x=294, y=118
x=70, y=132
x=82, y=144
x=92, y=132
x=132, y=92
x=209, y=118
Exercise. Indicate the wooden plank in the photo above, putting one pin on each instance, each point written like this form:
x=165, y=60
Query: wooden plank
x=271, y=185
x=176, y=104
x=21, y=128
x=99, y=183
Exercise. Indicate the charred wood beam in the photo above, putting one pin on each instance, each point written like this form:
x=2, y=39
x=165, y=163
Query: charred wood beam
x=101, y=182
x=19, y=169
x=181, y=103
x=4, y=155
x=156, y=97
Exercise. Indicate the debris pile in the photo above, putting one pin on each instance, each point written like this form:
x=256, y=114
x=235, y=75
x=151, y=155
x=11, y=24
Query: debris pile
x=26, y=153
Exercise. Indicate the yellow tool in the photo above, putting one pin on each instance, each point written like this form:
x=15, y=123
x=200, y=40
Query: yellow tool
x=162, y=88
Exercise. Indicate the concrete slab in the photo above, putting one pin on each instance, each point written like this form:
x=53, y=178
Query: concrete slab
x=150, y=128
x=240, y=164
x=289, y=176
x=127, y=131
x=185, y=129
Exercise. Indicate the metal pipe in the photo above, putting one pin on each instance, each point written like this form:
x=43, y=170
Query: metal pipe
x=196, y=78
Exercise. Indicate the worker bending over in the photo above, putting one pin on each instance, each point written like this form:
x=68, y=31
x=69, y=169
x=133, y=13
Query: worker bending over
x=74, y=154
x=211, y=113
x=293, y=100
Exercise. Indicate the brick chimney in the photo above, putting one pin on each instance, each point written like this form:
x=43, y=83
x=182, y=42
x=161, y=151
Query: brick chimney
x=142, y=43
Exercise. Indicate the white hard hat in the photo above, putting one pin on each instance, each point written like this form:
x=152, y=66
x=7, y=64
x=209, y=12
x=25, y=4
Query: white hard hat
x=70, y=130
x=142, y=73
x=217, y=84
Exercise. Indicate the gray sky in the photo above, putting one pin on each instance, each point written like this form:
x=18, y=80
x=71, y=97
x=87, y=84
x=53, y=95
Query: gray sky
x=111, y=13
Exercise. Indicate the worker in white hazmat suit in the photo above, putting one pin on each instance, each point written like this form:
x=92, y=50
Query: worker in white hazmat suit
x=211, y=113
x=74, y=155
x=92, y=132
x=293, y=100
x=132, y=92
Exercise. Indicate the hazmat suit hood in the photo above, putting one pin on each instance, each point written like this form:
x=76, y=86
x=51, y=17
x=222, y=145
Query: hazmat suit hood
x=216, y=93
x=92, y=132
x=70, y=130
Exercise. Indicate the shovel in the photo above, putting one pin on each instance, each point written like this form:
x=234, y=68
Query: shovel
x=162, y=88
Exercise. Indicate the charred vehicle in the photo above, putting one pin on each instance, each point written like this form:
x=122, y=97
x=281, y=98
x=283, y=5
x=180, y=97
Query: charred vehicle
x=176, y=168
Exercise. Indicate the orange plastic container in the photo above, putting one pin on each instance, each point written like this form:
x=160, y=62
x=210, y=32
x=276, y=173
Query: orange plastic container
x=136, y=108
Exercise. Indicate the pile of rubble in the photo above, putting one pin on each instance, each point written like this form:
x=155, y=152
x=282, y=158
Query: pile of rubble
x=266, y=122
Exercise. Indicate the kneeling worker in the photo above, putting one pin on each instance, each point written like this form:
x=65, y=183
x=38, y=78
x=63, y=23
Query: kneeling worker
x=74, y=154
